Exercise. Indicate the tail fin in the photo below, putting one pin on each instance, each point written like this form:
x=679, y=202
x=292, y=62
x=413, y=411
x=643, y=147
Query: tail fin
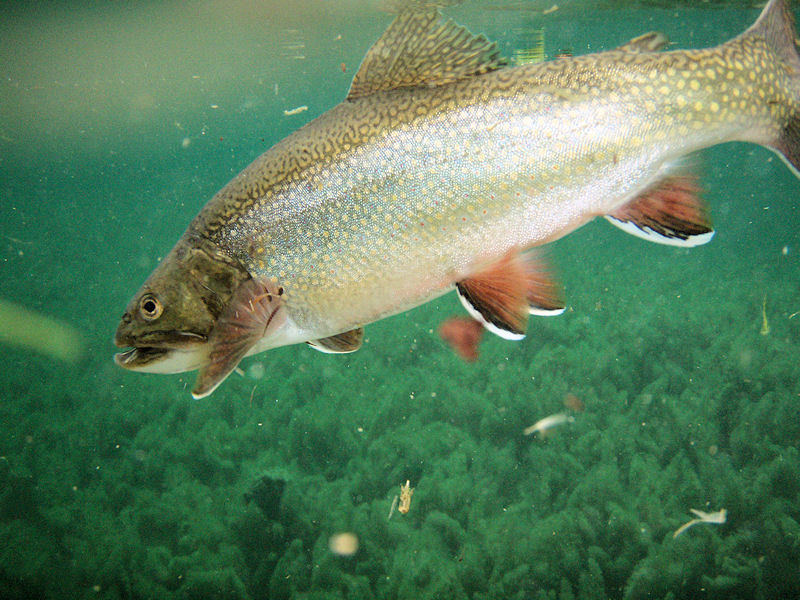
x=775, y=26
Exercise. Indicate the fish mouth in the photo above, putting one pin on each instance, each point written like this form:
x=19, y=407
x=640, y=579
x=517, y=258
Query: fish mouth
x=137, y=359
x=165, y=352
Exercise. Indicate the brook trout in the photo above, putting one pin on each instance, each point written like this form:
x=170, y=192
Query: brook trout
x=440, y=170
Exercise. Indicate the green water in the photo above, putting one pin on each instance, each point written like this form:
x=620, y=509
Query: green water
x=118, y=122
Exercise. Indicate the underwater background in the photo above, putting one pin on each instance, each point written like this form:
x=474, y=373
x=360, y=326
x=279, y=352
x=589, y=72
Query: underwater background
x=679, y=367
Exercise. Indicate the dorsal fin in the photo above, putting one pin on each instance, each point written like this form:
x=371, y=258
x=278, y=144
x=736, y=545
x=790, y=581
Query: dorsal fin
x=419, y=48
x=652, y=41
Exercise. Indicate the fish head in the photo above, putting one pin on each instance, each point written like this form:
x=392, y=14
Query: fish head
x=168, y=322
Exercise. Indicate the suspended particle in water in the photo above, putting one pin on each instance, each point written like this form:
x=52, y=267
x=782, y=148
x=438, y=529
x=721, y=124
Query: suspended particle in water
x=256, y=371
x=343, y=544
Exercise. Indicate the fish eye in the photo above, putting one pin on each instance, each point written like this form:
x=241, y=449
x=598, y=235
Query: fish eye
x=150, y=308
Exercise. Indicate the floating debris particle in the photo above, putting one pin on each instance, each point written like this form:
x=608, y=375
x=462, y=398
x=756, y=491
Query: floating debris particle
x=393, y=507
x=252, y=393
x=572, y=402
x=552, y=9
x=22, y=327
x=295, y=111
x=716, y=518
x=343, y=544
x=406, y=491
x=764, y=323
x=256, y=371
x=543, y=425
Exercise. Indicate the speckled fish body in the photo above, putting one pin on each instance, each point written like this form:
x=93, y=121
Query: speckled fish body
x=387, y=200
x=412, y=185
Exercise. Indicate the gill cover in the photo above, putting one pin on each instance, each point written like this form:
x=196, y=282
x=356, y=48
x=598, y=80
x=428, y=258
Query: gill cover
x=169, y=320
x=253, y=310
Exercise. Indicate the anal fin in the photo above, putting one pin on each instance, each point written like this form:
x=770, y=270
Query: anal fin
x=671, y=212
x=504, y=294
x=252, y=311
x=341, y=343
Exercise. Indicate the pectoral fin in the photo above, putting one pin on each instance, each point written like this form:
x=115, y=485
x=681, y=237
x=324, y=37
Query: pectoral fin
x=671, y=212
x=252, y=311
x=504, y=294
x=341, y=343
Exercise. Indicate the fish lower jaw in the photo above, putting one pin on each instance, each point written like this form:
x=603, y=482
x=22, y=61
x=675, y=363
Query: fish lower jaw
x=162, y=360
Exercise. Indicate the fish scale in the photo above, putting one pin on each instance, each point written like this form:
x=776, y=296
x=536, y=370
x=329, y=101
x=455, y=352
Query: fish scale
x=439, y=168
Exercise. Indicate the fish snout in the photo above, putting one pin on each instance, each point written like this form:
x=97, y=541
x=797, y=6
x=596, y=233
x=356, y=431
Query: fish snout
x=123, y=336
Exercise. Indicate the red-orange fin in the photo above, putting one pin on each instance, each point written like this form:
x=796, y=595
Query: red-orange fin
x=252, y=311
x=545, y=295
x=463, y=334
x=671, y=212
x=502, y=295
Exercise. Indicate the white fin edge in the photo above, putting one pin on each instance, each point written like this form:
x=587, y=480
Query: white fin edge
x=324, y=350
x=543, y=312
x=653, y=236
x=503, y=333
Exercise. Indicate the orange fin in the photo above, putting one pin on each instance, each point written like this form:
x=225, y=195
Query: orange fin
x=463, y=334
x=502, y=296
x=252, y=311
x=671, y=213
